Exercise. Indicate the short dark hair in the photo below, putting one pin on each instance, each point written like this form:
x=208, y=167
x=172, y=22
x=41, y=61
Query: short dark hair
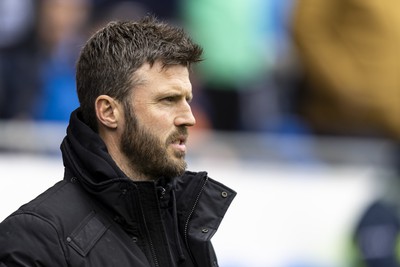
x=109, y=59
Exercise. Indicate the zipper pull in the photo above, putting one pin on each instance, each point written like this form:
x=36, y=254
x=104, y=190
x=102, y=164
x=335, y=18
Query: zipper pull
x=161, y=192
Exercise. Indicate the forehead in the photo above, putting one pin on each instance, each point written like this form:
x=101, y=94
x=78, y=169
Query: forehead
x=156, y=79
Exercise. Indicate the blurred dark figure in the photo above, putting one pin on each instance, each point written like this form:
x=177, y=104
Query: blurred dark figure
x=62, y=30
x=376, y=237
x=166, y=10
x=105, y=11
x=18, y=58
x=349, y=51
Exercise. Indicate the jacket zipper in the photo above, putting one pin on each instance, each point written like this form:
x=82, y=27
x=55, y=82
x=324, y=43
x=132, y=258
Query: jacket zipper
x=190, y=215
x=152, y=250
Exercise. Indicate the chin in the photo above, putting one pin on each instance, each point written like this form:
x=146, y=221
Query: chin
x=179, y=162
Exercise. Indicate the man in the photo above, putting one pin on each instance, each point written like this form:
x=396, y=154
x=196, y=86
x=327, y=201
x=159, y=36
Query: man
x=126, y=199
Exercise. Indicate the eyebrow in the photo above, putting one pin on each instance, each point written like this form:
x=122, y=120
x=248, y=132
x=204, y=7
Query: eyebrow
x=177, y=95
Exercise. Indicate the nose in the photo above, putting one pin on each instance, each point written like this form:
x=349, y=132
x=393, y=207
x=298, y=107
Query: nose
x=185, y=116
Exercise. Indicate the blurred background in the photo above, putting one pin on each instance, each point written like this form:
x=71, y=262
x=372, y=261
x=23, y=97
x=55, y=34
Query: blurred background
x=297, y=105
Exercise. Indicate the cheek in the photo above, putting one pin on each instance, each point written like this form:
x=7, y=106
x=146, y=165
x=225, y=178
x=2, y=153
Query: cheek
x=158, y=121
x=165, y=124
x=160, y=125
x=164, y=118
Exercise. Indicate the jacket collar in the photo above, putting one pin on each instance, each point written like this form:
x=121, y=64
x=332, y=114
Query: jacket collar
x=86, y=155
x=86, y=158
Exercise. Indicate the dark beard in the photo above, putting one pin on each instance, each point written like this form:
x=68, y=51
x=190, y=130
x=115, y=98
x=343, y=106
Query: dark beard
x=147, y=155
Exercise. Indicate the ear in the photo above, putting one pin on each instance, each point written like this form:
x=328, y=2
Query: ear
x=107, y=111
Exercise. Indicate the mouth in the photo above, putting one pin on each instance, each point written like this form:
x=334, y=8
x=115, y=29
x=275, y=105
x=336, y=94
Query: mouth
x=182, y=140
x=179, y=143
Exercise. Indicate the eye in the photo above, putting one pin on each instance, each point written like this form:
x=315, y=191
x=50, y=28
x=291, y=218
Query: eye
x=170, y=99
x=176, y=98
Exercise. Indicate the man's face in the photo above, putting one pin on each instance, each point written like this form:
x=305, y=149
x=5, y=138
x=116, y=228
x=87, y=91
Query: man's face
x=155, y=132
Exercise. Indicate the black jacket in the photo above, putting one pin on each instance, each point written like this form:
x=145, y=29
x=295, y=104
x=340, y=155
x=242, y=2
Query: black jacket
x=98, y=217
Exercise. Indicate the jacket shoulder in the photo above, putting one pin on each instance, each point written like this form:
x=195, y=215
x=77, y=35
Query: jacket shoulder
x=28, y=239
x=57, y=219
x=64, y=204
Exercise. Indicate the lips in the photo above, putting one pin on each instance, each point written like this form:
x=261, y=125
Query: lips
x=179, y=143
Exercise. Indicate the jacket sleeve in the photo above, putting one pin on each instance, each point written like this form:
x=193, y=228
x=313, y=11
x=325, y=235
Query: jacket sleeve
x=30, y=240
